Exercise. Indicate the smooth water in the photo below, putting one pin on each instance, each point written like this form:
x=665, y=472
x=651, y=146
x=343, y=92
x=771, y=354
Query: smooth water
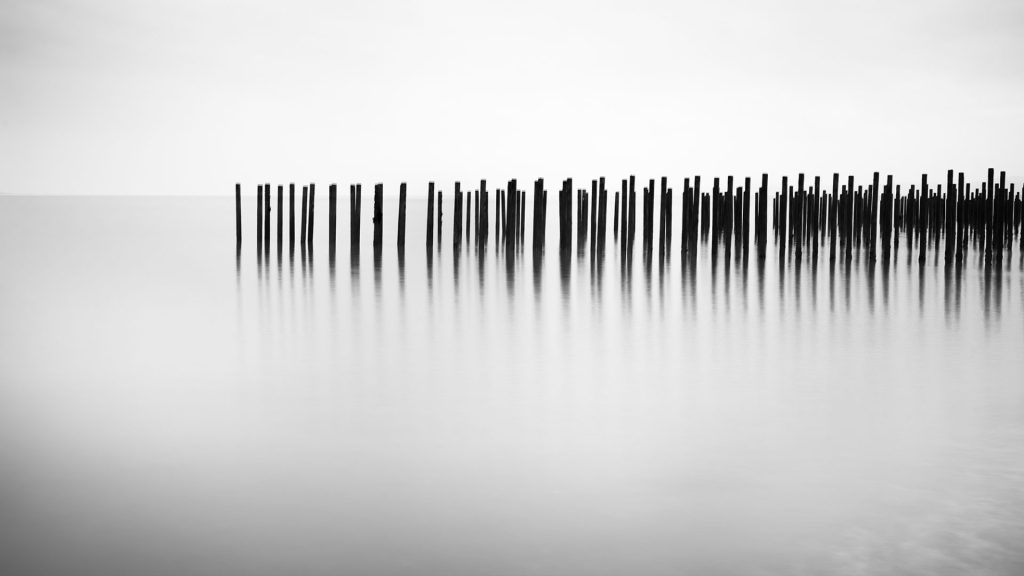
x=166, y=409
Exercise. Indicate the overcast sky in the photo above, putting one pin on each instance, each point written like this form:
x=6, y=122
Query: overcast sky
x=175, y=96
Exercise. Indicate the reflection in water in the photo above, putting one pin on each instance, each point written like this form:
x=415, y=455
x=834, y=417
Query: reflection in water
x=565, y=418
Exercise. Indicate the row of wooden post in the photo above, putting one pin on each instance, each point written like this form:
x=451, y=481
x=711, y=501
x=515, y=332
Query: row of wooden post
x=804, y=216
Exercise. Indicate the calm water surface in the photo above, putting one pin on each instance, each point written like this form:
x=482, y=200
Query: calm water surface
x=166, y=409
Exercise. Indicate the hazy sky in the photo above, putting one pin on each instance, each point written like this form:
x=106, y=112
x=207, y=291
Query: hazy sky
x=187, y=96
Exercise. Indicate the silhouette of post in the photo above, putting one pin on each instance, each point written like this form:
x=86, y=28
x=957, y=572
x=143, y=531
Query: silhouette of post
x=238, y=217
x=378, y=216
x=305, y=208
x=539, y=206
x=291, y=220
x=615, y=221
x=266, y=221
x=484, y=207
x=430, y=217
x=631, y=235
x=332, y=214
x=602, y=219
x=259, y=222
x=401, y=216
x=565, y=216
x=312, y=205
x=457, y=218
x=280, y=220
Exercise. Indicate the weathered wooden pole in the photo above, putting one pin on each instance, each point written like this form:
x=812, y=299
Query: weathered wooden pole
x=378, y=216
x=291, y=220
x=631, y=235
x=305, y=209
x=266, y=221
x=469, y=211
x=615, y=222
x=280, y=220
x=430, y=217
x=762, y=234
x=565, y=216
x=602, y=218
x=332, y=214
x=401, y=216
x=457, y=217
x=312, y=206
x=484, y=214
x=259, y=222
x=745, y=235
x=440, y=216
x=238, y=216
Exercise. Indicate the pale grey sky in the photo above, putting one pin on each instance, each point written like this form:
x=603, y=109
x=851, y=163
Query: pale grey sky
x=165, y=96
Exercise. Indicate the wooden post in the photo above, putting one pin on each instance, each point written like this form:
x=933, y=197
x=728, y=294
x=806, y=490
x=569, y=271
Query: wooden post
x=457, y=218
x=485, y=207
x=602, y=215
x=238, y=216
x=312, y=205
x=291, y=220
x=305, y=208
x=632, y=215
x=332, y=212
x=378, y=216
x=430, y=217
x=259, y=222
x=266, y=221
x=615, y=223
x=401, y=216
x=280, y=220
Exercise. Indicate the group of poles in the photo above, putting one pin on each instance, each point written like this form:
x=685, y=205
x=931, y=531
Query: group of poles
x=850, y=216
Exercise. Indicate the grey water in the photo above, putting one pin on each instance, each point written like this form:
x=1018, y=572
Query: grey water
x=166, y=408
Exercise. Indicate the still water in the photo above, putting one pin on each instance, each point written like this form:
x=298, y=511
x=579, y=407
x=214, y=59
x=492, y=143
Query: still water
x=166, y=409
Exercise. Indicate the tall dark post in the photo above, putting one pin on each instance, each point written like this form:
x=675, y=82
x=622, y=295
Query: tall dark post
x=923, y=241
x=259, y=222
x=485, y=206
x=440, y=217
x=565, y=216
x=624, y=217
x=457, y=218
x=950, y=217
x=280, y=220
x=745, y=235
x=615, y=222
x=602, y=218
x=430, y=217
x=305, y=208
x=631, y=235
x=469, y=210
x=312, y=205
x=833, y=217
x=763, y=223
x=539, y=215
x=476, y=215
x=593, y=201
x=401, y=216
x=378, y=216
x=266, y=221
x=332, y=213
x=357, y=217
x=238, y=217
x=291, y=220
